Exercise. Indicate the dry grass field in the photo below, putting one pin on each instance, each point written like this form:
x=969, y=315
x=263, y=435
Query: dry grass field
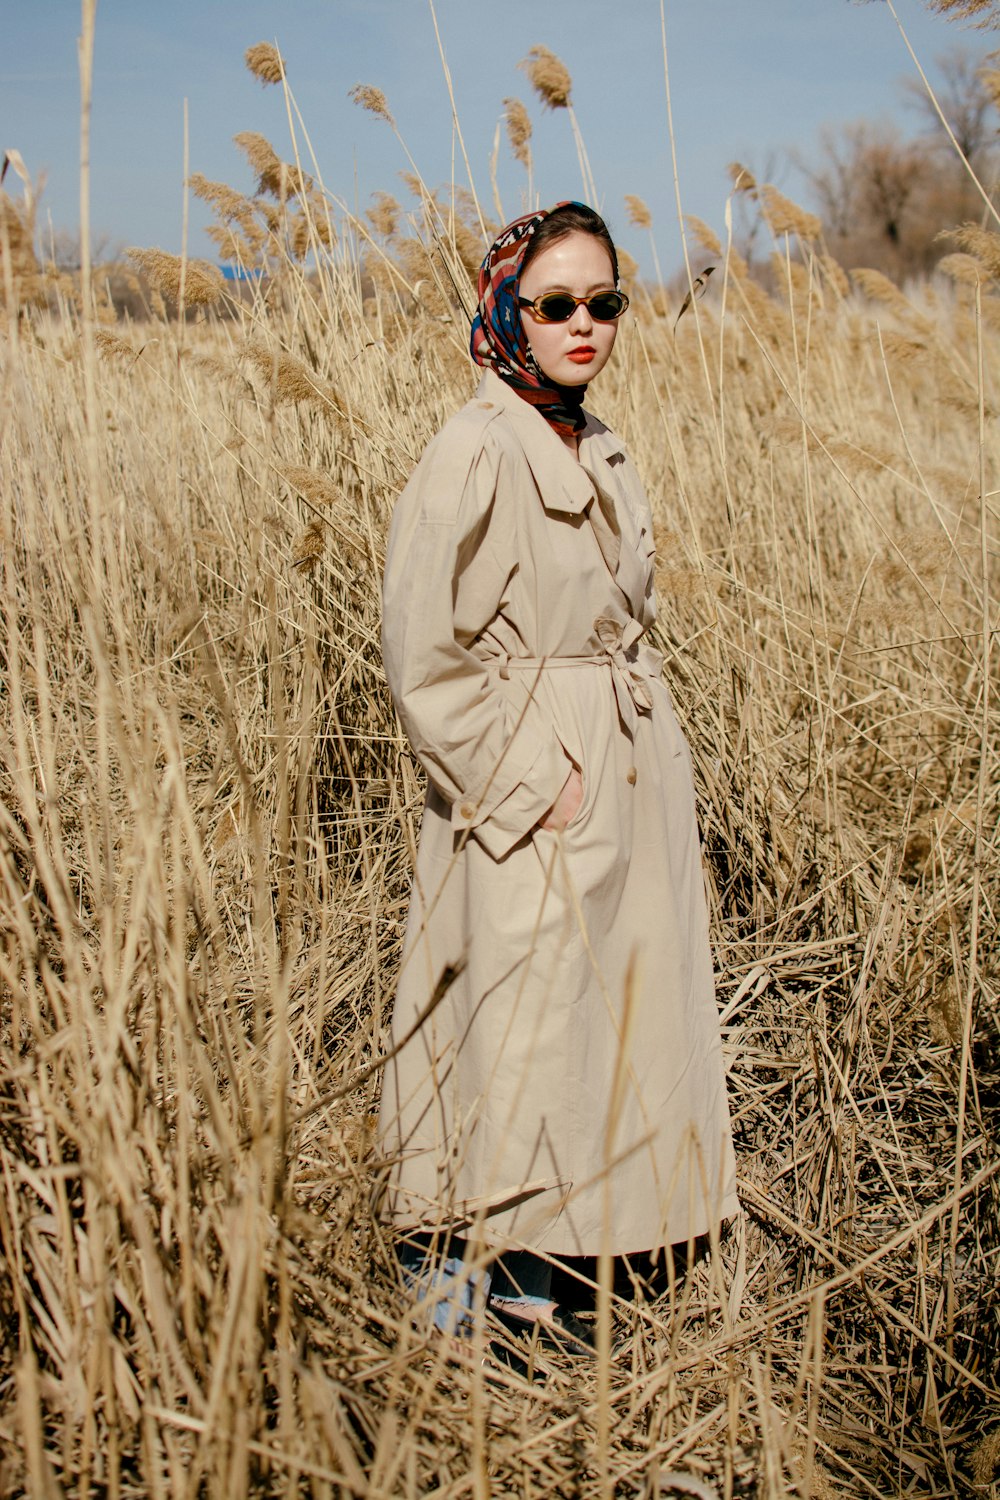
x=207, y=816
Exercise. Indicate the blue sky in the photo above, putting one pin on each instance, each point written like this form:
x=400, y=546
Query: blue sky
x=750, y=79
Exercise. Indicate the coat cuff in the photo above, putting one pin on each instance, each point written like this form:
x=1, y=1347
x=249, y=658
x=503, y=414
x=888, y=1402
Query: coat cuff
x=507, y=822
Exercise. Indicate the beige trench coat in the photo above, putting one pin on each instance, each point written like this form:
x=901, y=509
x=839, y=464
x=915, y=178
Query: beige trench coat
x=566, y=1093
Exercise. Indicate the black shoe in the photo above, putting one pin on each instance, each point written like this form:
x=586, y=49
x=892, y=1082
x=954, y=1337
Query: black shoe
x=504, y=1353
x=561, y=1332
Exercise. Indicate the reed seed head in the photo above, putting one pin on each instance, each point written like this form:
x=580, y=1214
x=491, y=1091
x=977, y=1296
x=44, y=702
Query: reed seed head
x=111, y=347
x=219, y=369
x=986, y=1455
x=880, y=289
x=273, y=175
x=265, y=62
x=964, y=268
x=990, y=79
x=705, y=236
x=226, y=201
x=260, y=154
x=299, y=237
x=518, y=124
x=835, y=275
x=232, y=246
x=549, y=77
x=983, y=244
x=628, y=269
x=786, y=217
x=982, y=13
x=742, y=179
x=467, y=242
x=291, y=380
x=322, y=227
x=314, y=484
x=17, y=233
x=308, y=547
x=373, y=100
x=202, y=282
x=384, y=215
x=638, y=213
x=901, y=348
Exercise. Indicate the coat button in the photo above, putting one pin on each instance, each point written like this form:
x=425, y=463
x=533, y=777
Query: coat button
x=630, y=775
x=467, y=810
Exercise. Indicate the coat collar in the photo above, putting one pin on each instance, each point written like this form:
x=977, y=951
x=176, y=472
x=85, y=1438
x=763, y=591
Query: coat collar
x=566, y=484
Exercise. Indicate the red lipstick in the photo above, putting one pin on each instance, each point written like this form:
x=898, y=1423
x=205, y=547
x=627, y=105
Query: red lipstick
x=583, y=355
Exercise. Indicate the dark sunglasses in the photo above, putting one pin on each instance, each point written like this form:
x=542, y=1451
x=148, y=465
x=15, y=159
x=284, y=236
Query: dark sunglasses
x=559, y=307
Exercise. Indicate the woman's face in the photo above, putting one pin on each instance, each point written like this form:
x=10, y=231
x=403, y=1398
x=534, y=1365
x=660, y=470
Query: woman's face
x=570, y=353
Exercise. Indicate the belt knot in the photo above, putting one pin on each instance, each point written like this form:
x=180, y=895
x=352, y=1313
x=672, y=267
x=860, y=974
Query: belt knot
x=631, y=684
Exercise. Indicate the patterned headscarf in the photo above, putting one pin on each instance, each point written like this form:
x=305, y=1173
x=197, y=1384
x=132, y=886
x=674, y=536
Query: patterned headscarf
x=498, y=338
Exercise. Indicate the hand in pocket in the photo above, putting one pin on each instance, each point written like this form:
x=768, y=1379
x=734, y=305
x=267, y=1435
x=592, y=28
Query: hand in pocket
x=567, y=804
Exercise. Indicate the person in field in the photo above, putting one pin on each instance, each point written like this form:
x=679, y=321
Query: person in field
x=554, y=1085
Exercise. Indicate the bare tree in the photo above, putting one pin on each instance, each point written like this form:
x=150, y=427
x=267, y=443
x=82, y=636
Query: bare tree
x=62, y=248
x=966, y=103
x=884, y=199
x=868, y=183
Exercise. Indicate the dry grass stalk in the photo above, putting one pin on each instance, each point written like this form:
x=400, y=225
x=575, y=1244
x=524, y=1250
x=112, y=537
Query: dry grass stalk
x=19, y=268
x=549, y=77
x=18, y=234
x=265, y=62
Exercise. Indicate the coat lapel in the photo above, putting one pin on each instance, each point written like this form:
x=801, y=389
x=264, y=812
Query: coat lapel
x=565, y=484
x=573, y=488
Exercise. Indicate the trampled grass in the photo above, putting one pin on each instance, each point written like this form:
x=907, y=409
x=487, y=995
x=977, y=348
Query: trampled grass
x=207, y=816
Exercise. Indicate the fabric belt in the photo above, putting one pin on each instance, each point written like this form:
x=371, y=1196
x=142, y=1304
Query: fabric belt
x=631, y=683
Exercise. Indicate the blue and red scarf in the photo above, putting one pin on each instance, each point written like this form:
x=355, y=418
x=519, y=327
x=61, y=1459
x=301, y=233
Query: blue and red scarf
x=498, y=338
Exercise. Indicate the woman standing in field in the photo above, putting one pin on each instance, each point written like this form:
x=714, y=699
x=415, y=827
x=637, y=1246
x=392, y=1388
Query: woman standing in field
x=555, y=1084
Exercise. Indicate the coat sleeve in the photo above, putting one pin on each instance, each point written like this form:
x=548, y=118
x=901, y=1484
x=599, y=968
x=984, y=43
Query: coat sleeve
x=451, y=553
